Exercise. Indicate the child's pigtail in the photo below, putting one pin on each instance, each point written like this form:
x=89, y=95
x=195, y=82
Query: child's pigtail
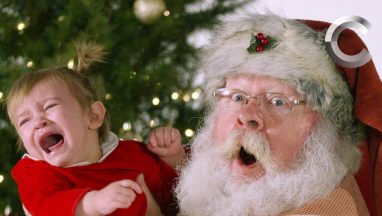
x=88, y=53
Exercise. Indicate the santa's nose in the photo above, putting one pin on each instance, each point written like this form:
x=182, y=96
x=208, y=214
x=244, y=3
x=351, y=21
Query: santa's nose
x=249, y=117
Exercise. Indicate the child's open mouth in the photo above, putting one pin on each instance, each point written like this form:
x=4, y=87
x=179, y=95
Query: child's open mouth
x=51, y=142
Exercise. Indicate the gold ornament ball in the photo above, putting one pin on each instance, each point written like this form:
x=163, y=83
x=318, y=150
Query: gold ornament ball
x=148, y=11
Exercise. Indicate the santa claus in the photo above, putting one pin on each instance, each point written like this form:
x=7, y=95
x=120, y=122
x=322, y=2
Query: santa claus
x=281, y=136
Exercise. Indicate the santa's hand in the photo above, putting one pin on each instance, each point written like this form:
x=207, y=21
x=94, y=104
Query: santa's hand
x=165, y=141
x=118, y=194
x=152, y=206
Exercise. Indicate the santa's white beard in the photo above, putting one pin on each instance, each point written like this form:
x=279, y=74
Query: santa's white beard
x=207, y=186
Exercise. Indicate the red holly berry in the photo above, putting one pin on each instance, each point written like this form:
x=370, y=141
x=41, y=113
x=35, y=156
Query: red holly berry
x=259, y=48
x=264, y=41
x=259, y=36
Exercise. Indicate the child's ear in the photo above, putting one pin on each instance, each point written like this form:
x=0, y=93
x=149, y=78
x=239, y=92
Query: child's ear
x=97, y=114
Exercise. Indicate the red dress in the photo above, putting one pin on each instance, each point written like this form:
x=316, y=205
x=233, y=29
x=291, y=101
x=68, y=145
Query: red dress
x=46, y=190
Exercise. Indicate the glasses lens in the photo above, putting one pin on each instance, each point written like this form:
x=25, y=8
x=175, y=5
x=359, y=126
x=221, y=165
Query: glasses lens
x=275, y=104
x=235, y=100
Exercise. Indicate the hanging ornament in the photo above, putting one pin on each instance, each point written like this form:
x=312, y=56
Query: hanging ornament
x=148, y=11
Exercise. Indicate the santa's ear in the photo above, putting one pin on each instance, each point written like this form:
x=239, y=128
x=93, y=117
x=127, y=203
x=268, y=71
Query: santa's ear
x=97, y=114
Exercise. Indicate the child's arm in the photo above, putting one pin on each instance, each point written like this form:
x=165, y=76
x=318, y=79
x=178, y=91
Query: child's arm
x=166, y=143
x=118, y=194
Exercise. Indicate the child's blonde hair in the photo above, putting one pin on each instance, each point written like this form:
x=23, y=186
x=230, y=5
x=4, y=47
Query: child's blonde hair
x=78, y=84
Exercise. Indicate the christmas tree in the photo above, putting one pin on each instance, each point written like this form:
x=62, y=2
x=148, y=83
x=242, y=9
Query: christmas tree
x=150, y=71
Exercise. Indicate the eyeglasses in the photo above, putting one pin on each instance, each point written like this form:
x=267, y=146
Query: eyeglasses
x=268, y=103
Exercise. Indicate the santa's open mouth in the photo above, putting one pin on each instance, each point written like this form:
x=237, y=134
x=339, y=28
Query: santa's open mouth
x=246, y=158
x=51, y=142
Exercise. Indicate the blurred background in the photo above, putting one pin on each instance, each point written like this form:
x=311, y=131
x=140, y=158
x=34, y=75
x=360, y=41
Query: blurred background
x=150, y=78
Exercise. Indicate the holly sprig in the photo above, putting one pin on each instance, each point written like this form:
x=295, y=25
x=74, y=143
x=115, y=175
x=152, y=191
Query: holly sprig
x=260, y=42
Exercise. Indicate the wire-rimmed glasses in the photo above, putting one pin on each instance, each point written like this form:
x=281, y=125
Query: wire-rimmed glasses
x=268, y=103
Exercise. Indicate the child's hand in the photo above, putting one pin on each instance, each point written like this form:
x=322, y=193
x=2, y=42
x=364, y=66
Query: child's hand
x=165, y=141
x=118, y=194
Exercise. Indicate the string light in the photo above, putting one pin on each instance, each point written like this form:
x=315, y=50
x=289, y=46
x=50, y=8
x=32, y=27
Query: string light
x=20, y=26
x=29, y=64
x=175, y=95
x=166, y=13
x=7, y=210
x=186, y=98
x=71, y=64
x=60, y=18
x=1, y=178
x=126, y=126
x=152, y=123
x=133, y=74
x=195, y=95
x=1, y=95
x=108, y=96
x=155, y=101
x=189, y=133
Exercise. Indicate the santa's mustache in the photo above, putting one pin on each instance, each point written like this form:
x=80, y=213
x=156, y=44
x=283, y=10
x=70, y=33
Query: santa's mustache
x=249, y=147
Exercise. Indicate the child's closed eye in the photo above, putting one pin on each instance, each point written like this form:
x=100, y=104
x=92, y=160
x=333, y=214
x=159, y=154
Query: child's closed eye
x=23, y=121
x=49, y=106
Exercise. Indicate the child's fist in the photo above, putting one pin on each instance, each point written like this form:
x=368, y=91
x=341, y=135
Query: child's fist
x=165, y=141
